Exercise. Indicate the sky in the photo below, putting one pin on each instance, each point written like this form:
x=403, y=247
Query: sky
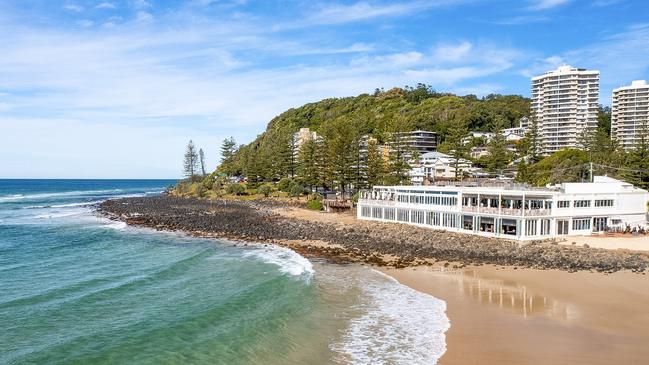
x=116, y=88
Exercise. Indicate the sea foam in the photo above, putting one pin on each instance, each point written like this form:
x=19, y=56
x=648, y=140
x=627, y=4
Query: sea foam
x=397, y=325
x=288, y=261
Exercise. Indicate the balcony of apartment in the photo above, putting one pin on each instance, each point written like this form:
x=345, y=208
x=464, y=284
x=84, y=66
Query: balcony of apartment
x=521, y=206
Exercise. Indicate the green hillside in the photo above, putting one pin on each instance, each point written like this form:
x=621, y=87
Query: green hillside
x=268, y=157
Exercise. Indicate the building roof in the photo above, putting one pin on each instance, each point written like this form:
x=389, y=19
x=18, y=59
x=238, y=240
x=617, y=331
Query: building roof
x=600, y=185
x=434, y=154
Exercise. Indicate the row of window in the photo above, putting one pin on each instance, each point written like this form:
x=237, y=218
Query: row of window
x=585, y=203
x=412, y=216
x=581, y=224
x=450, y=220
x=430, y=200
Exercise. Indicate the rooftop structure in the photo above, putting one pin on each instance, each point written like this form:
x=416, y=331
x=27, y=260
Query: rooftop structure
x=630, y=113
x=565, y=103
x=509, y=210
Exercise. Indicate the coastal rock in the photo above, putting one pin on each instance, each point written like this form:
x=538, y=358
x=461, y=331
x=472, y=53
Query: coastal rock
x=361, y=241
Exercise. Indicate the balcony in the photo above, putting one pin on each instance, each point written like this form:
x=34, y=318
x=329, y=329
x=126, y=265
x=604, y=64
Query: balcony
x=376, y=202
x=507, y=211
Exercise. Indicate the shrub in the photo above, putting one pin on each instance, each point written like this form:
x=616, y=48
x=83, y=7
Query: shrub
x=296, y=190
x=265, y=189
x=236, y=189
x=284, y=185
x=314, y=204
x=356, y=196
x=315, y=196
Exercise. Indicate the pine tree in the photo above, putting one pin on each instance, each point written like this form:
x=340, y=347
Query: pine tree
x=201, y=157
x=228, y=150
x=375, y=163
x=308, y=168
x=637, y=165
x=400, y=153
x=499, y=156
x=455, y=142
x=190, y=163
x=343, y=145
x=534, y=139
x=398, y=157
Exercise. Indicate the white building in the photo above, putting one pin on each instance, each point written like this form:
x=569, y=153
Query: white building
x=302, y=136
x=434, y=166
x=565, y=103
x=630, y=113
x=510, y=210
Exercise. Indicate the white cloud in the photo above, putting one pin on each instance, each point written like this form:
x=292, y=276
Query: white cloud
x=620, y=58
x=452, y=52
x=5, y=107
x=546, y=4
x=139, y=4
x=144, y=17
x=521, y=20
x=73, y=7
x=164, y=85
x=85, y=23
x=543, y=65
x=337, y=13
x=106, y=5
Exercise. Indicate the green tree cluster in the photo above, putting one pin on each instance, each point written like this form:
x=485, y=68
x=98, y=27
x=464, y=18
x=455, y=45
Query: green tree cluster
x=342, y=123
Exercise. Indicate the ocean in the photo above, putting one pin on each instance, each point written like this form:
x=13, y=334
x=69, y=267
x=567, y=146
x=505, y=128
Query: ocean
x=76, y=288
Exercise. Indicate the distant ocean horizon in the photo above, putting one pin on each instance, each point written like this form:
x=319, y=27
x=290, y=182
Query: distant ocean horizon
x=78, y=288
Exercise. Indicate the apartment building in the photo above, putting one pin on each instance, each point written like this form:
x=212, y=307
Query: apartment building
x=565, y=103
x=630, y=113
x=417, y=141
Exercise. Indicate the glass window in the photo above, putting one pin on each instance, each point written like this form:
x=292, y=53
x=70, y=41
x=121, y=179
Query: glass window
x=604, y=203
x=563, y=204
x=582, y=203
x=580, y=224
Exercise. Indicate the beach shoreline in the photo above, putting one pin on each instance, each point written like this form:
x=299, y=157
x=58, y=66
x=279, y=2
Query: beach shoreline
x=506, y=314
x=528, y=316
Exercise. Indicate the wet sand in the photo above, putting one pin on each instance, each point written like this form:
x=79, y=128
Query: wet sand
x=526, y=316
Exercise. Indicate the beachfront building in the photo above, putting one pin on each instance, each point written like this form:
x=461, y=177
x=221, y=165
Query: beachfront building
x=509, y=210
x=630, y=113
x=565, y=102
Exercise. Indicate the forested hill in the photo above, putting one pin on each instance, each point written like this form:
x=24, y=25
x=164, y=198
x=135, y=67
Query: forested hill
x=378, y=114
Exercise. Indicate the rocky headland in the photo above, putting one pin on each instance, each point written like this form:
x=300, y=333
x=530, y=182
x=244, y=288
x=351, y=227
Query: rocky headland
x=381, y=244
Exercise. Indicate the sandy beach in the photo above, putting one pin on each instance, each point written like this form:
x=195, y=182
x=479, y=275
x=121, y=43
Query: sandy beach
x=526, y=316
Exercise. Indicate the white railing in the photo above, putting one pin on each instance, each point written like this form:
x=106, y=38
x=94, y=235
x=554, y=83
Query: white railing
x=376, y=202
x=506, y=211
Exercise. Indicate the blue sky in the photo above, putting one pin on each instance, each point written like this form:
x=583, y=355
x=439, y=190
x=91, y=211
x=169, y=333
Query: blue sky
x=116, y=88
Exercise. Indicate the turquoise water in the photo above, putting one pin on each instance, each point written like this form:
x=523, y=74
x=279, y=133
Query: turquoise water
x=76, y=288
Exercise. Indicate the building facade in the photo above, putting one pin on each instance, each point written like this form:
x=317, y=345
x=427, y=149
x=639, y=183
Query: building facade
x=565, y=102
x=630, y=113
x=417, y=141
x=511, y=210
x=435, y=166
